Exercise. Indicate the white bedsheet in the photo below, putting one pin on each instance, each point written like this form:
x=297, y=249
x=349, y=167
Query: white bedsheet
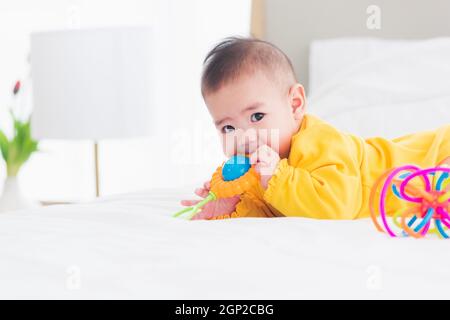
x=129, y=247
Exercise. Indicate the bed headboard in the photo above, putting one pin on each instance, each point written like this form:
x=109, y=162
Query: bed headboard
x=293, y=24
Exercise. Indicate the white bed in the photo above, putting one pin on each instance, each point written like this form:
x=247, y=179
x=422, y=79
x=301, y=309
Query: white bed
x=129, y=247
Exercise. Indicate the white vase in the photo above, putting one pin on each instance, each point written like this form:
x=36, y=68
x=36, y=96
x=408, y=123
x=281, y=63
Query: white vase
x=12, y=197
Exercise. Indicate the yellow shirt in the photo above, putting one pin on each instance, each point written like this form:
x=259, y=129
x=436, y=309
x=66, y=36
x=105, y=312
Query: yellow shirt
x=329, y=174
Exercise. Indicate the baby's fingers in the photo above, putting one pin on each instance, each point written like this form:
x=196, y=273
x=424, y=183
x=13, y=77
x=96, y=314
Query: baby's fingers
x=189, y=203
x=201, y=192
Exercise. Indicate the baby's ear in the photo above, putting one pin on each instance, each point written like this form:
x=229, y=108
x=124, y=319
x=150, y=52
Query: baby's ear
x=297, y=100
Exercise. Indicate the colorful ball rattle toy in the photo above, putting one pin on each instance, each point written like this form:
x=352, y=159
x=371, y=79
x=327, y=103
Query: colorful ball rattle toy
x=427, y=193
x=234, y=178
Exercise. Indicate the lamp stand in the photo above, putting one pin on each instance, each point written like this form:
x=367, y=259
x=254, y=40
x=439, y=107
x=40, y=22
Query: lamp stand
x=97, y=182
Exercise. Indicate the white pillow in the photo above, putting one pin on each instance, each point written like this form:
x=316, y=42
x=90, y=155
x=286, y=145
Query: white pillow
x=386, y=90
x=327, y=58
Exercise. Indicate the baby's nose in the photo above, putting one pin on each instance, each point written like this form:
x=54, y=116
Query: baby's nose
x=247, y=143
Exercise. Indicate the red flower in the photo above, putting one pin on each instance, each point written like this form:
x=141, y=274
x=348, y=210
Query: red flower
x=16, y=87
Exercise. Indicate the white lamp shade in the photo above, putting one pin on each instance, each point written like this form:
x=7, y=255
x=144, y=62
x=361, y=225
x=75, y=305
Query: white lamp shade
x=92, y=83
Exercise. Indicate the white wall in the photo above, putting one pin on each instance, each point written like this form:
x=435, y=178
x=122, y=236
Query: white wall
x=186, y=148
x=293, y=24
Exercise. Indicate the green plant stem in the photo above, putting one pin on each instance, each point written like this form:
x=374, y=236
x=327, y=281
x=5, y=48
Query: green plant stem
x=12, y=170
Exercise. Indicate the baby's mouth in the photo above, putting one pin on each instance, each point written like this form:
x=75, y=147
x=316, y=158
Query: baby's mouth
x=248, y=148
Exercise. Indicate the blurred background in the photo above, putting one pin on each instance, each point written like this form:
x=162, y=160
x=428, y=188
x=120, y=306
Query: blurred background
x=183, y=32
x=369, y=67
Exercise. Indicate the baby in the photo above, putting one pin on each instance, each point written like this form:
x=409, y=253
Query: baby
x=307, y=167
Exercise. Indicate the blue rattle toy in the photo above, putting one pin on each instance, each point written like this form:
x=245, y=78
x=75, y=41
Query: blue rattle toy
x=233, y=178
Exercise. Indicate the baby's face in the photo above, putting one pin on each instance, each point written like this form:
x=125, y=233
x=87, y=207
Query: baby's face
x=253, y=110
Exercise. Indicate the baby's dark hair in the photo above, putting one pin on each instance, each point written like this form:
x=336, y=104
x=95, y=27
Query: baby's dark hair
x=235, y=55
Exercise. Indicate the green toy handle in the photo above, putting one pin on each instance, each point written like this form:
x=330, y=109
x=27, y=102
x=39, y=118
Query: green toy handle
x=192, y=211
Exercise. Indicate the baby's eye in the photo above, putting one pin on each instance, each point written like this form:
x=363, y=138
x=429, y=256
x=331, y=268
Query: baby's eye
x=256, y=116
x=227, y=129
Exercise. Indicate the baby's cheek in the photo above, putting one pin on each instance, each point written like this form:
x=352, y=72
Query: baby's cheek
x=274, y=139
x=284, y=144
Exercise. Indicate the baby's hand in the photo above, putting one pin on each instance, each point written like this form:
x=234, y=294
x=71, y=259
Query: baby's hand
x=219, y=207
x=265, y=160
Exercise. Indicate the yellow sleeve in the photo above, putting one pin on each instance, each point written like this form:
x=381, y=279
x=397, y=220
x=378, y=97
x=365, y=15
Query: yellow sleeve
x=321, y=179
